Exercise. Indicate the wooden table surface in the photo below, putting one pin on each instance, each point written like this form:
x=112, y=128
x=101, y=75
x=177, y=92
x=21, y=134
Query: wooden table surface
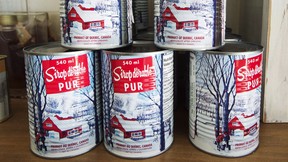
x=14, y=143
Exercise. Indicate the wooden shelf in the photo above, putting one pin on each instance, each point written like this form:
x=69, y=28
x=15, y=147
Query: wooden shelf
x=15, y=146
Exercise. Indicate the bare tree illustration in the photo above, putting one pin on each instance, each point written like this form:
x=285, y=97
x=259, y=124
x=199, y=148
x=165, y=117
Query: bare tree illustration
x=199, y=93
x=130, y=19
x=66, y=23
x=30, y=83
x=93, y=63
x=160, y=23
x=107, y=96
x=158, y=92
x=120, y=20
x=217, y=74
x=37, y=96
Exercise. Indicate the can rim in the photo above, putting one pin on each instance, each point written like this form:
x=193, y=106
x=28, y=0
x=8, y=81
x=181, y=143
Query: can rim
x=32, y=50
x=93, y=47
x=141, y=44
x=256, y=48
x=186, y=47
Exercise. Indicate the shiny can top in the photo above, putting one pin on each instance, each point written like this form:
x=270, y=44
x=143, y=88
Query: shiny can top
x=236, y=48
x=52, y=48
x=140, y=48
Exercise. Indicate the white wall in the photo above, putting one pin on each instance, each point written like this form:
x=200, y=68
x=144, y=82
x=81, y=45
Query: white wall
x=43, y=5
x=13, y=5
x=31, y=5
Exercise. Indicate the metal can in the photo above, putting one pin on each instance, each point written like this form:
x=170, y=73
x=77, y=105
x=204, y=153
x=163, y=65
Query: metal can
x=225, y=99
x=64, y=100
x=137, y=86
x=4, y=101
x=190, y=25
x=96, y=24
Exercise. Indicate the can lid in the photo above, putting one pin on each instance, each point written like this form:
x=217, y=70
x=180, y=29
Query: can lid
x=8, y=20
x=51, y=48
x=138, y=48
x=236, y=48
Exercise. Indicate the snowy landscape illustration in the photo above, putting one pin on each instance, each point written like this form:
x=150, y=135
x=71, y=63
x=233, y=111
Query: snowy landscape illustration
x=224, y=116
x=135, y=121
x=90, y=22
x=185, y=22
x=60, y=120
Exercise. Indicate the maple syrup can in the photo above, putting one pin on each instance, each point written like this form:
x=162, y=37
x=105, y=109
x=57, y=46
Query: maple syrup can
x=137, y=86
x=225, y=99
x=5, y=111
x=190, y=24
x=96, y=24
x=64, y=100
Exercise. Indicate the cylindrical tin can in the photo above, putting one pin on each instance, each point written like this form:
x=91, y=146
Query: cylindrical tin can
x=4, y=101
x=96, y=24
x=190, y=25
x=225, y=98
x=64, y=100
x=137, y=87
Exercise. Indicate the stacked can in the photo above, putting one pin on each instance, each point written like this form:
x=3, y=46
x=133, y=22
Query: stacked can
x=98, y=24
x=64, y=86
x=189, y=25
x=64, y=100
x=5, y=111
x=137, y=85
x=225, y=99
x=225, y=80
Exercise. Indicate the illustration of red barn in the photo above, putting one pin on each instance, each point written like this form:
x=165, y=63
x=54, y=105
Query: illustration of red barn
x=130, y=127
x=245, y=124
x=65, y=127
x=182, y=18
x=90, y=19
